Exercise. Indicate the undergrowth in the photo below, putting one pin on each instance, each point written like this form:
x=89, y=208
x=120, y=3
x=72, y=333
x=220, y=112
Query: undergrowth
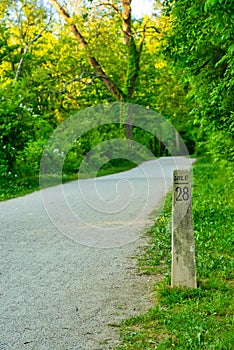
x=11, y=186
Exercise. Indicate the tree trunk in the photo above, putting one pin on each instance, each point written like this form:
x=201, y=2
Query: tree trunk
x=112, y=87
x=177, y=141
x=134, y=55
x=129, y=126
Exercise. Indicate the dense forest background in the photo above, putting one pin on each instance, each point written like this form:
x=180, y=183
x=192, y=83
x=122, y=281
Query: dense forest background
x=60, y=57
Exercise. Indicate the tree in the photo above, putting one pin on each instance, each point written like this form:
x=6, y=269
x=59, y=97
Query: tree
x=22, y=114
x=118, y=12
x=200, y=44
x=49, y=74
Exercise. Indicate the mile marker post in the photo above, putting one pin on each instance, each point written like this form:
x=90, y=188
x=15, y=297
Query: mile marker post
x=183, y=269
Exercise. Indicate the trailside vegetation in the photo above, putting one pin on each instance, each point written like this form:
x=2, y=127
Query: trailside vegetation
x=199, y=318
x=200, y=44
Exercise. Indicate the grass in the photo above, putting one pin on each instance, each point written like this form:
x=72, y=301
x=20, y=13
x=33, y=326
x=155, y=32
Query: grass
x=199, y=318
x=113, y=166
x=12, y=187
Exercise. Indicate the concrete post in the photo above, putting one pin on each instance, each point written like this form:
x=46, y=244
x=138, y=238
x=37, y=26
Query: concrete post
x=183, y=271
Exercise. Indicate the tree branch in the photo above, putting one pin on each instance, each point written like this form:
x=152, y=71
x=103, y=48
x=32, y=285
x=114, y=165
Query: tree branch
x=19, y=68
x=127, y=20
x=80, y=79
x=112, y=87
x=145, y=29
x=113, y=6
x=155, y=29
x=142, y=38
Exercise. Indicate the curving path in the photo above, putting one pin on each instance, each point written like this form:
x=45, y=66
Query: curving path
x=66, y=269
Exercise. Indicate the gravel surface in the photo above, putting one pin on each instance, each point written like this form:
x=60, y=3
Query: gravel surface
x=68, y=275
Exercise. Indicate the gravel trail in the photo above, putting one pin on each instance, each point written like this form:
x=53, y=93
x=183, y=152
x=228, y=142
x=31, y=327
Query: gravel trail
x=67, y=279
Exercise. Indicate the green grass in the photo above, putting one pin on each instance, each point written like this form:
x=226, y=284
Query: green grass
x=12, y=187
x=15, y=187
x=199, y=318
x=111, y=167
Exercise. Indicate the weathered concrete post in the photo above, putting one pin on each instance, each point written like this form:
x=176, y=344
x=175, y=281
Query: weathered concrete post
x=183, y=271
